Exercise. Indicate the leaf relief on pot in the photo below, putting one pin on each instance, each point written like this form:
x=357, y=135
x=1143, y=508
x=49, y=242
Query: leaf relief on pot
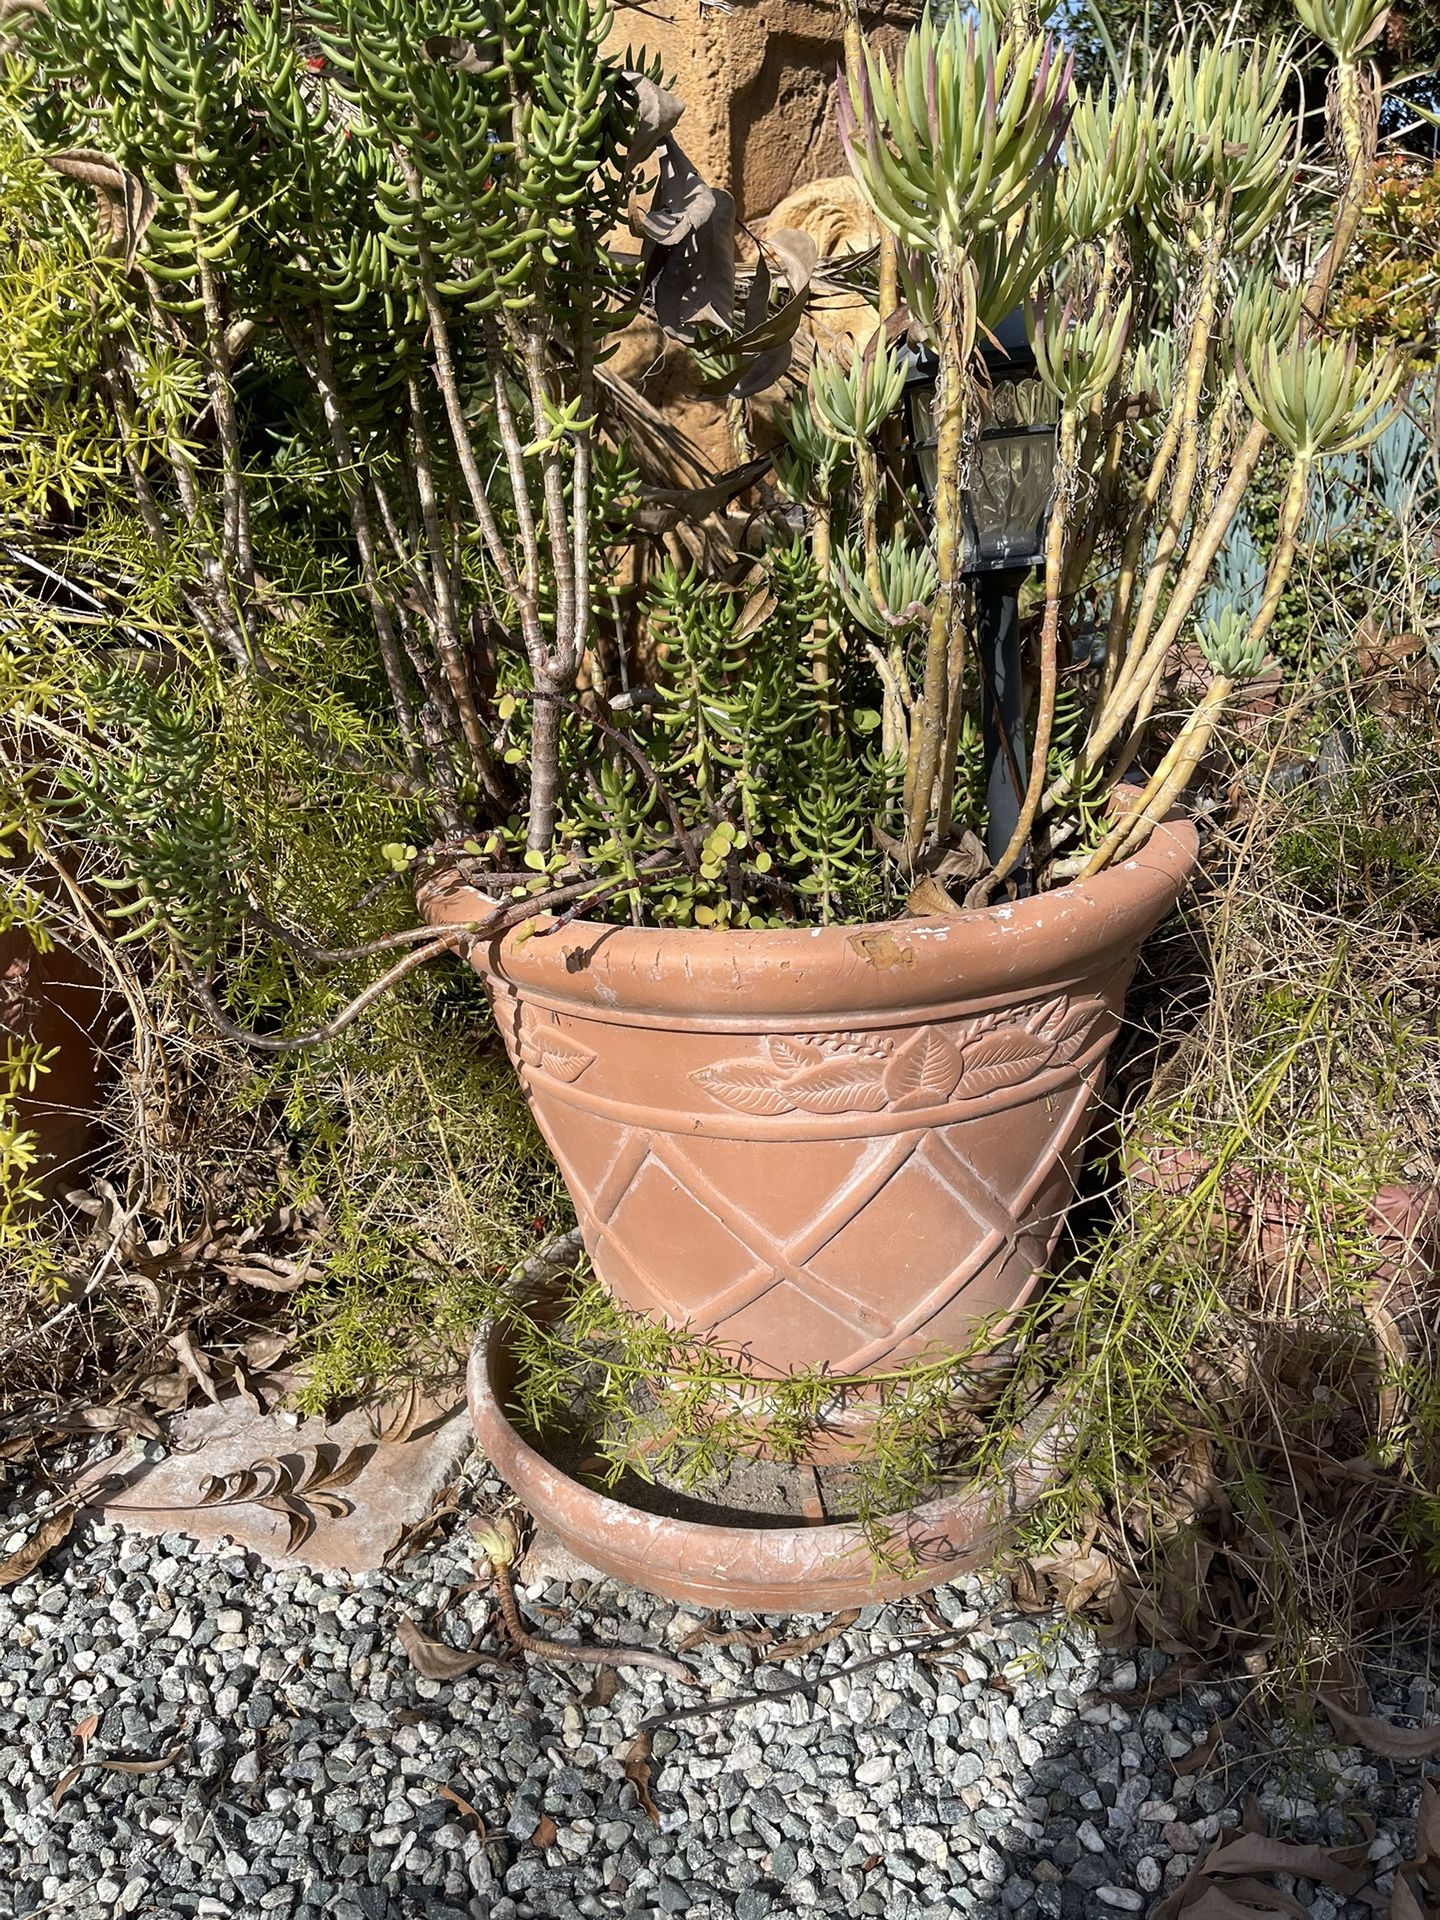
x=545, y=1049
x=854, y=1073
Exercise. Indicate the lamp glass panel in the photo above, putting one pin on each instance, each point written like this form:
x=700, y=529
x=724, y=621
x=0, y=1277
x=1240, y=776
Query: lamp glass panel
x=922, y=434
x=1011, y=484
x=1019, y=403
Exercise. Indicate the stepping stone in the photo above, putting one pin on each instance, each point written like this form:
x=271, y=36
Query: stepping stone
x=381, y=1487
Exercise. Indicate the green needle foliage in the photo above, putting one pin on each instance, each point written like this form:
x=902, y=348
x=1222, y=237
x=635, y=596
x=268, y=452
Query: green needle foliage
x=773, y=775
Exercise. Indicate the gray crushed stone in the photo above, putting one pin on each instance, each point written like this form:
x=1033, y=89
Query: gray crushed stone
x=987, y=1778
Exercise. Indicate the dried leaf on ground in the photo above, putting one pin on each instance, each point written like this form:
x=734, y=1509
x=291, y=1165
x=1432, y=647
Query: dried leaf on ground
x=462, y=1805
x=544, y=1834
x=1342, y=1868
x=1203, y=1752
x=195, y=1363
x=245, y=1390
x=1416, y=1893
x=711, y=1635
x=812, y=1642
x=66, y=1781
x=85, y=1730
x=54, y=1528
x=266, y=1274
x=1381, y=1736
x=1406, y=1903
x=119, y=1764
x=1244, y=1900
x=432, y=1659
x=636, y=1764
x=262, y=1349
x=604, y=1689
x=1225, y=1884
x=394, y=1425
x=157, y=1765
x=104, y=1420
x=165, y=1392
x=419, y=1533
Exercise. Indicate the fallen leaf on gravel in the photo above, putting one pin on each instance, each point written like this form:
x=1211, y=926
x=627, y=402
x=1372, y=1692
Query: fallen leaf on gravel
x=118, y=1765
x=1405, y=1903
x=459, y=1801
x=544, y=1834
x=432, y=1659
x=1244, y=1900
x=1416, y=1893
x=1204, y=1752
x=66, y=1781
x=725, y=1637
x=636, y=1764
x=84, y=1730
x=1382, y=1736
x=1252, y=1853
x=603, y=1691
x=812, y=1642
x=1224, y=1883
x=51, y=1531
x=156, y=1765
x=419, y=1533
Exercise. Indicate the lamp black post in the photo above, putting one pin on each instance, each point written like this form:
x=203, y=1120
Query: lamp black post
x=1004, y=510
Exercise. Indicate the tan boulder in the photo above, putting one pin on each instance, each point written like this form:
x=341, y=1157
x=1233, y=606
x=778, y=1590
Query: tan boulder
x=758, y=81
x=834, y=213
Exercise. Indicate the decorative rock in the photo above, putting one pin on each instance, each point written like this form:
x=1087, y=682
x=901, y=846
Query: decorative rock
x=394, y=1487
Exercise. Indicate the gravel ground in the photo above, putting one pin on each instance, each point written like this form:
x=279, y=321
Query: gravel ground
x=981, y=1778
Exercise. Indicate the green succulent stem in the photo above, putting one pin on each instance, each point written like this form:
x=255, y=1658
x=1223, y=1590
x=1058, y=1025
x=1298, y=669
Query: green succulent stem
x=236, y=543
x=1114, y=715
x=1282, y=557
x=1212, y=234
x=1169, y=780
x=867, y=470
x=929, y=728
x=1277, y=576
x=315, y=358
x=822, y=631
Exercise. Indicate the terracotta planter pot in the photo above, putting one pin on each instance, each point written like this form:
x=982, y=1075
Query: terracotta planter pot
x=55, y=999
x=768, y=1567
x=827, y=1147
x=1272, y=1230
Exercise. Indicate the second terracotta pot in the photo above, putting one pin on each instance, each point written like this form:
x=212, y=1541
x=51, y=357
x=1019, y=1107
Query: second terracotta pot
x=832, y=1146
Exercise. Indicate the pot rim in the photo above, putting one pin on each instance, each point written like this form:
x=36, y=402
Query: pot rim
x=1008, y=950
